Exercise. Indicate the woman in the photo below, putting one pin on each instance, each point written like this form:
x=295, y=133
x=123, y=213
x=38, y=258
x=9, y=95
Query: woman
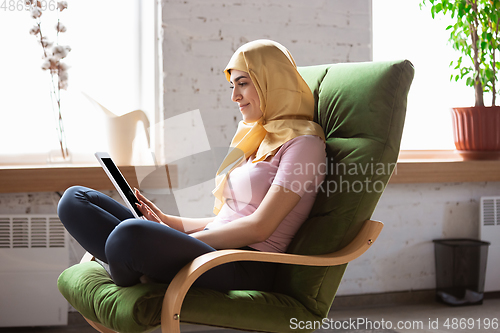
x=264, y=191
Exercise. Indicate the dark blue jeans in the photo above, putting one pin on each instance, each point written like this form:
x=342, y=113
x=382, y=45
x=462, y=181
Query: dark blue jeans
x=134, y=247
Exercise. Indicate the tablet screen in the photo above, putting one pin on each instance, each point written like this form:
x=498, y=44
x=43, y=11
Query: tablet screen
x=122, y=183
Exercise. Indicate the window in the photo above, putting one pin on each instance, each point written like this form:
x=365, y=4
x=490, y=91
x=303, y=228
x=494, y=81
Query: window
x=112, y=60
x=402, y=31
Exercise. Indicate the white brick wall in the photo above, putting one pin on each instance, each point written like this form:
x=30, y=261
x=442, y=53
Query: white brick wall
x=402, y=258
x=199, y=37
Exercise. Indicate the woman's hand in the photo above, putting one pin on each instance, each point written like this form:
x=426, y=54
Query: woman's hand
x=153, y=213
x=149, y=209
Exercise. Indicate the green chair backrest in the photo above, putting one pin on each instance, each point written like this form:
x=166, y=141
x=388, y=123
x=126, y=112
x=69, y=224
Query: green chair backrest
x=361, y=107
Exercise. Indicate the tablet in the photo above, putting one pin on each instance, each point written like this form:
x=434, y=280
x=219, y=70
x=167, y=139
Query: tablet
x=120, y=183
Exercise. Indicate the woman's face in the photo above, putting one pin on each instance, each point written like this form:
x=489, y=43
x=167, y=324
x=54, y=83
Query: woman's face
x=245, y=94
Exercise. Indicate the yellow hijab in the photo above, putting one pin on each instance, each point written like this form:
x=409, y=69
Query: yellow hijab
x=286, y=102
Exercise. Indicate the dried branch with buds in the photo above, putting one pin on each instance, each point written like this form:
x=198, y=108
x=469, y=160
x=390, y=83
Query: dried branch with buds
x=53, y=54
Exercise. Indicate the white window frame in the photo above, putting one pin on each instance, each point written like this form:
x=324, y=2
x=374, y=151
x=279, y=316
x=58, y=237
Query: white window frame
x=148, y=74
x=402, y=31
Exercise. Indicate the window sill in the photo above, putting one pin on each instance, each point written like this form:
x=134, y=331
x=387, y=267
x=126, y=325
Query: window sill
x=53, y=178
x=442, y=166
x=412, y=167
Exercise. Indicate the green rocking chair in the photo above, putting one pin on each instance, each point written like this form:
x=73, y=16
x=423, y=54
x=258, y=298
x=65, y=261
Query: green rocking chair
x=361, y=107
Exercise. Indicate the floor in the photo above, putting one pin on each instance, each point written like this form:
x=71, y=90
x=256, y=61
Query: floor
x=428, y=317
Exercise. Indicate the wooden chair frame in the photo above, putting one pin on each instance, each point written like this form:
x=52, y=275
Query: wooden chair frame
x=174, y=296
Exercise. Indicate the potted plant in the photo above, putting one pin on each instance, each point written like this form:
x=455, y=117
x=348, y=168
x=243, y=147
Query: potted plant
x=475, y=35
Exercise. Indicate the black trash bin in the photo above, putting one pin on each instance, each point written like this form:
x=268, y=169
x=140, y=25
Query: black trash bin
x=460, y=270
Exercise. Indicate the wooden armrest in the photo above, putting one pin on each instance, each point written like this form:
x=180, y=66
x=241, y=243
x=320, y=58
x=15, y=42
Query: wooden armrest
x=170, y=317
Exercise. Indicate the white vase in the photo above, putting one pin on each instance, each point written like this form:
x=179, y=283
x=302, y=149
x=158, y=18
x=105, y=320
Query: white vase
x=121, y=132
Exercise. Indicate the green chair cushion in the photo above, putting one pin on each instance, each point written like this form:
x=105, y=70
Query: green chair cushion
x=89, y=289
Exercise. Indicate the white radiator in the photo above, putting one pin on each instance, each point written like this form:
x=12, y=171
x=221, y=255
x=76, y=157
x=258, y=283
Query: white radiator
x=489, y=231
x=33, y=252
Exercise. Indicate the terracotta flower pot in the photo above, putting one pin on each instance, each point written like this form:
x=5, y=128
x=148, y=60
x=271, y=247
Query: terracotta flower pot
x=477, y=131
